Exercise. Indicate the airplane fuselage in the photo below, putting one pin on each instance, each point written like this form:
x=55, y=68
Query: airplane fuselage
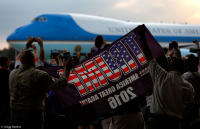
x=67, y=31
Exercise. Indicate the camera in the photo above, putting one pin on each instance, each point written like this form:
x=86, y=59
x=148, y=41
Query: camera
x=31, y=42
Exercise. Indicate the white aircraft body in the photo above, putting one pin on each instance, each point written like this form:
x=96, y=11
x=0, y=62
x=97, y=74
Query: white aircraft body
x=69, y=31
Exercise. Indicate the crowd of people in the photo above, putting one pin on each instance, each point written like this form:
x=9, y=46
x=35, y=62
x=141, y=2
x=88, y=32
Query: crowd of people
x=28, y=95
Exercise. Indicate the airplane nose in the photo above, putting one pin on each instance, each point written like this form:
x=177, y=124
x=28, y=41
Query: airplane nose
x=20, y=33
x=12, y=37
x=24, y=32
x=15, y=35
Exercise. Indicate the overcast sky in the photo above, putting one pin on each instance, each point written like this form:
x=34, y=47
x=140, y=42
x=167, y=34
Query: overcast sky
x=15, y=13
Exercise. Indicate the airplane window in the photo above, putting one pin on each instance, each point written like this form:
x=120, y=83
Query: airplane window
x=43, y=19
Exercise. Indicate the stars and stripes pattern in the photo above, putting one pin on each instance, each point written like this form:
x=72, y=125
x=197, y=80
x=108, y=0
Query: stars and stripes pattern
x=91, y=76
x=108, y=66
x=123, y=57
x=73, y=78
x=91, y=68
x=83, y=74
x=133, y=45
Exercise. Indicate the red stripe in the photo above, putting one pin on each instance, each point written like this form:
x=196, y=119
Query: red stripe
x=103, y=81
x=80, y=70
x=86, y=80
x=72, y=76
x=126, y=69
x=97, y=84
x=107, y=71
x=78, y=84
x=116, y=75
x=142, y=59
x=89, y=65
x=92, y=77
x=99, y=74
x=82, y=91
x=81, y=74
x=103, y=65
x=90, y=88
x=95, y=70
x=133, y=65
x=98, y=59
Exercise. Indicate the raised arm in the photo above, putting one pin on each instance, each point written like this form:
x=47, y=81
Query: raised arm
x=27, y=46
x=40, y=43
x=62, y=81
x=59, y=58
x=29, y=42
x=35, y=52
x=156, y=71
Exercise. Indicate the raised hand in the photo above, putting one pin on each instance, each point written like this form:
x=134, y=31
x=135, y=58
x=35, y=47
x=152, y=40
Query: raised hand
x=40, y=42
x=29, y=42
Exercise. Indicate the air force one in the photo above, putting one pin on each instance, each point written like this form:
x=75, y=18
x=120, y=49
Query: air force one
x=69, y=31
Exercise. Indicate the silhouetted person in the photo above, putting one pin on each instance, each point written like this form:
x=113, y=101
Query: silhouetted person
x=56, y=116
x=100, y=44
x=174, y=46
x=170, y=93
x=4, y=91
x=39, y=61
x=192, y=75
x=28, y=88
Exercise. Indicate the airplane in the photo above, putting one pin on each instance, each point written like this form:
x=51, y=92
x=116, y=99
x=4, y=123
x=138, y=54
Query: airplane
x=77, y=32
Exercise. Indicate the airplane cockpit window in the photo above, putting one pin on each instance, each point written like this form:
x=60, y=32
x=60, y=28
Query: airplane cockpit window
x=42, y=19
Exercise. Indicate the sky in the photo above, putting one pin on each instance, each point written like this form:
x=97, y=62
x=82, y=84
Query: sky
x=15, y=13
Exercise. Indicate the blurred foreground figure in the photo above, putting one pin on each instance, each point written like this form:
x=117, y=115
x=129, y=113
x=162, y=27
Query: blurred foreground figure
x=4, y=91
x=28, y=88
x=191, y=116
x=170, y=92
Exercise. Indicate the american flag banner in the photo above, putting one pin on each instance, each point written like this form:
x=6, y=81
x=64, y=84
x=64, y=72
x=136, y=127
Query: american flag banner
x=130, y=40
x=113, y=78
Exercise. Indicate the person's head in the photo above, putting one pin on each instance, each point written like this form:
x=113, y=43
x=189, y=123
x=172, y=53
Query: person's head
x=173, y=44
x=176, y=64
x=192, y=63
x=75, y=60
x=27, y=58
x=4, y=62
x=99, y=41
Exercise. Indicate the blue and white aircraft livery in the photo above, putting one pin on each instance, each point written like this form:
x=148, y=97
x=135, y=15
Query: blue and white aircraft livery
x=69, y=31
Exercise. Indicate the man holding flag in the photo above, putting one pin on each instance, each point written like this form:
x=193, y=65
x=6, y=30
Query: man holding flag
x=171, y=93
